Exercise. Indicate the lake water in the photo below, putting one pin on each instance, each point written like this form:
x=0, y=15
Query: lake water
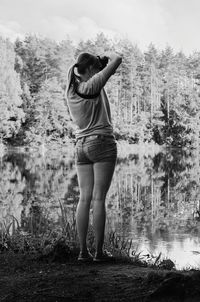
x=155, y=201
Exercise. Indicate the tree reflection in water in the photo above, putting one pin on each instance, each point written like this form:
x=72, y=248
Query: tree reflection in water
x=154, y=201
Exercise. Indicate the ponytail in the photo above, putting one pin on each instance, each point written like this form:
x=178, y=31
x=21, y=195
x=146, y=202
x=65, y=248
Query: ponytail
x=73, y=79
x=84, y=60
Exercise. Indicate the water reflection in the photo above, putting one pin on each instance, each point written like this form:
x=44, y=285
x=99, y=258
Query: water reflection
x=154, y=201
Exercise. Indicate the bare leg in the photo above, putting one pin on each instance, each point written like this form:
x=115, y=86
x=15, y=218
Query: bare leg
x=86, y=181
x=103, y=173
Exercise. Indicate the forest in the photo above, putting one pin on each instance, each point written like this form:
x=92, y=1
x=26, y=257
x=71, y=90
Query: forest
x=154, y=95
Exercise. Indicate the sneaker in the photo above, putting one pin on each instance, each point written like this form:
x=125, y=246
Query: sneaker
x=104, y=257
x=85, y=257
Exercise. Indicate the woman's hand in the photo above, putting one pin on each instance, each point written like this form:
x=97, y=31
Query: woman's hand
x=112, y=55
x=113, y=63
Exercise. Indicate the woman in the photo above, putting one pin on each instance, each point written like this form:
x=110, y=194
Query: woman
x=95, y=150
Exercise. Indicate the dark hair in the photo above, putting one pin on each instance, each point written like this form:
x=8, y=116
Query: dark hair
x=83, y=62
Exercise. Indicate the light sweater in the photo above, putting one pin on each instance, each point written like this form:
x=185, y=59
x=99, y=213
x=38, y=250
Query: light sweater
x=91, y=116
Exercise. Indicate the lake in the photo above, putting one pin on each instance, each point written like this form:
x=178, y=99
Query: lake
x=153, y=200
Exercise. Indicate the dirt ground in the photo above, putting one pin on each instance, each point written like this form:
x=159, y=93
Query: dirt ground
x=24, y=278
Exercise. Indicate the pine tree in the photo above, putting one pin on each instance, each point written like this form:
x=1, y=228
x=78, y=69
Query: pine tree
x=51, y=114
x=39, y=61
x=11, y=114
x=65, y=54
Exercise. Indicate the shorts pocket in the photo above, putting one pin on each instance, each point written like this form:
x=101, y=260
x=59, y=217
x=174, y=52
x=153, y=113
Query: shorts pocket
x=94, y=148
x=109, y=143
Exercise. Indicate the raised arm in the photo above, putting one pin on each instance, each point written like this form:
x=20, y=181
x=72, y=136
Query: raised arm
x=98, y=81
x=113, y=63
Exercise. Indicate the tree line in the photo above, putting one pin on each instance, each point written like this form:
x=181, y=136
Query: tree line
x=154, y=95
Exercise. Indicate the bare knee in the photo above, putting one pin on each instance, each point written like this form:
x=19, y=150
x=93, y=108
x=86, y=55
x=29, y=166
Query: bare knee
x=86, y=199
x=99, y=196
x=98, y=199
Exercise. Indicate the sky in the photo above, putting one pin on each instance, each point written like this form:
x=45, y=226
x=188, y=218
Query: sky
x=162, y=22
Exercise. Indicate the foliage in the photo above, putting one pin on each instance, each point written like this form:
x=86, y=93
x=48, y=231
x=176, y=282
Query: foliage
x=154, y=95
x=51, y=115
x=11, y=113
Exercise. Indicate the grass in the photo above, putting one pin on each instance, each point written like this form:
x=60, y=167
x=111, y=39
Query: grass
x=63, y=240
x=60, y=242
x=59, y=246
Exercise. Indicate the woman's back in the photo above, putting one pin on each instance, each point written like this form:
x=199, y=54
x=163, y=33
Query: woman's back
x=87, y=100
x=92, y=116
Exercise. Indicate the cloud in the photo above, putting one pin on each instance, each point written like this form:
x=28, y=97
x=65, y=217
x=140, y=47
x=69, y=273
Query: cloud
x=142, y=21
x=162, y=22
x=11, y=30
x=59, y=28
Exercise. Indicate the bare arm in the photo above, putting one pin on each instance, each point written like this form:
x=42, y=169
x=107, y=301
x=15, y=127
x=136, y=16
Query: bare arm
x=98, y=81
x=114, y=62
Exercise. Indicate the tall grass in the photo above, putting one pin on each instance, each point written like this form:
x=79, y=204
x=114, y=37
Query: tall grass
x=62, y=239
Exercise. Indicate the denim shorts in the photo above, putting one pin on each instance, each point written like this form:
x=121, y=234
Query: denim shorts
x=95, y=148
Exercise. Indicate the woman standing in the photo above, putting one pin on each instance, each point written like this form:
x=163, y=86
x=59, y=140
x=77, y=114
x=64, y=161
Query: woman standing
x=95, y=150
